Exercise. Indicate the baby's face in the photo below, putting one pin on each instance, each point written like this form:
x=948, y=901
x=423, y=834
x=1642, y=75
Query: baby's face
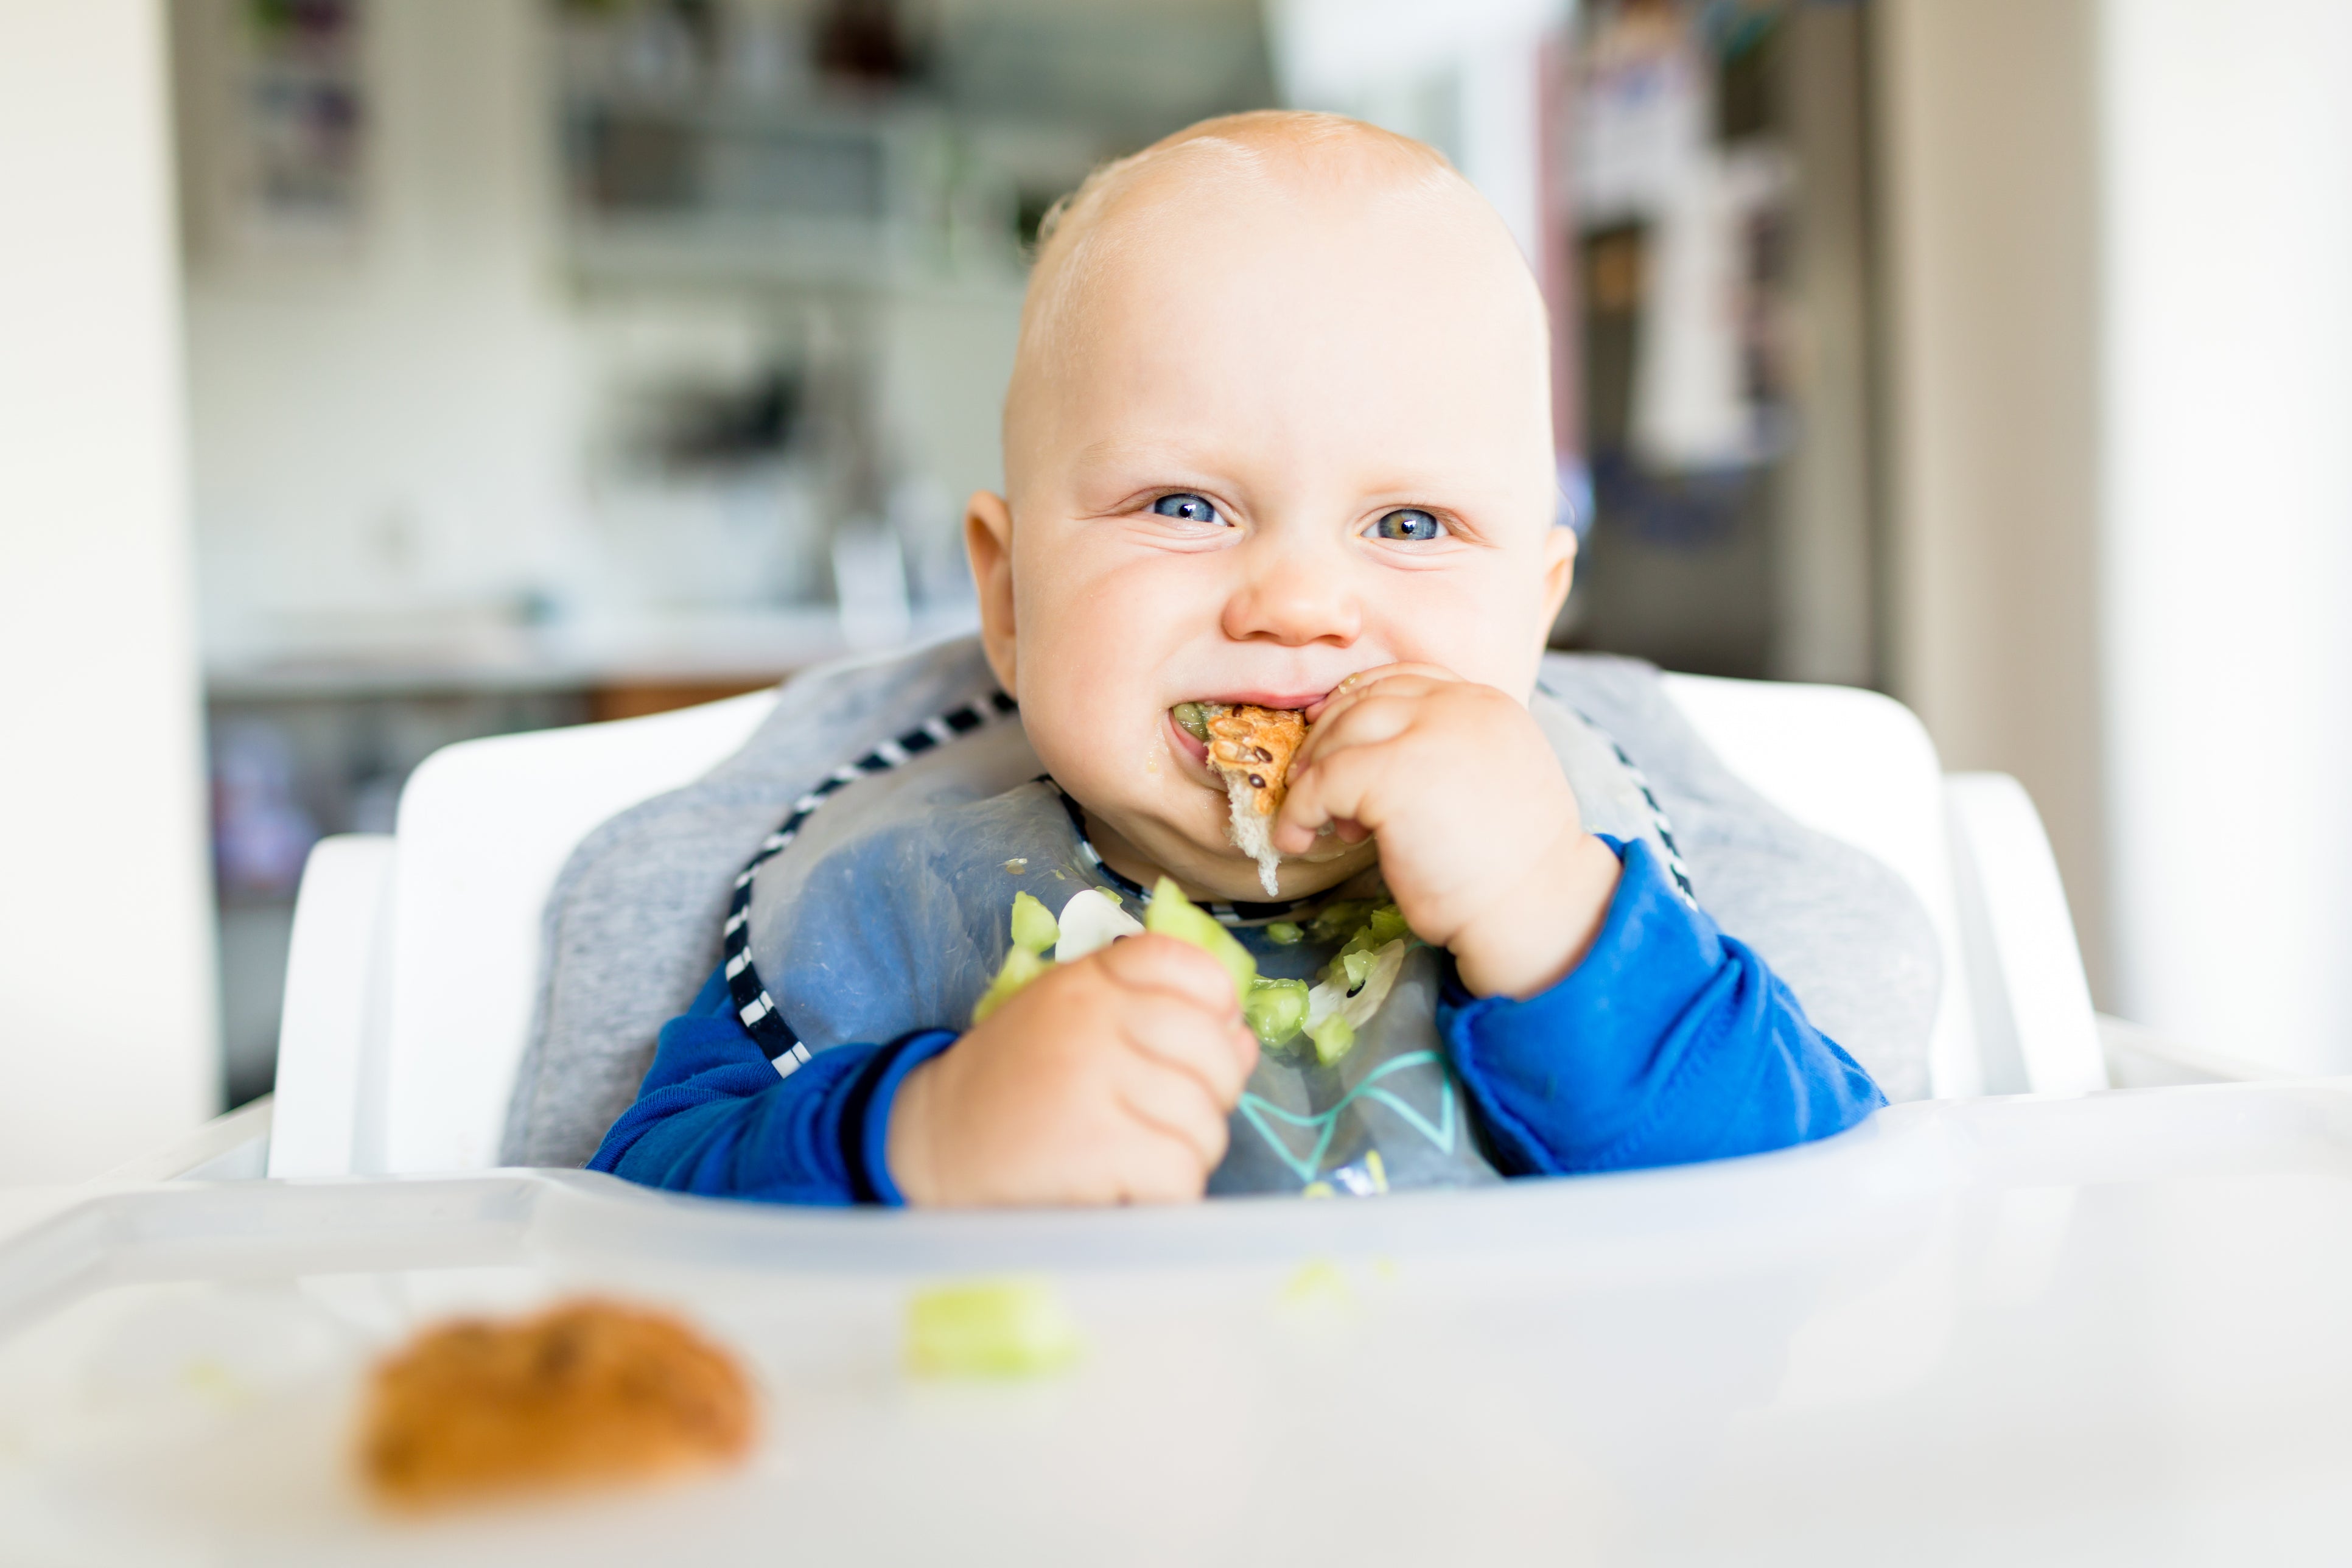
x=1284, y=439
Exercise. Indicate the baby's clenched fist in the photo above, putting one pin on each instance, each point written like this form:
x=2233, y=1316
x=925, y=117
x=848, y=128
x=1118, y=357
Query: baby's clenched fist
x=1105, y=1080
x=1481, y=840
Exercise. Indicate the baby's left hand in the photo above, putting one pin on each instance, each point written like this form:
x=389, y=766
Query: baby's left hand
x=1481, y=841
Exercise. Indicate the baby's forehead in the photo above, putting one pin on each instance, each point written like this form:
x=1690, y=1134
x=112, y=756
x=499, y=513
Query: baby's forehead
x=1337, y=216
x=1280, y=286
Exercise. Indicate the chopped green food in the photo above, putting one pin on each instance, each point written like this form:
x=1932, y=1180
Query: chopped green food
x=1334, y=1038
x=1003, y=1328
x=1033, y=926
x=1194, y=718
x=1282, y=933
x=1319, y=1285
x=1033, y=931
x=1275, y=1010
x=1021, y=967
x=1386, y=924
x=1339, y=920
x=1356, y=966
x=1172, y=914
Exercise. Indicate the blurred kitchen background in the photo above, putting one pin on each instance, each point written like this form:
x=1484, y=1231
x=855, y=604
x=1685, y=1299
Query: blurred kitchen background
x=536, y=361
x=561, y=360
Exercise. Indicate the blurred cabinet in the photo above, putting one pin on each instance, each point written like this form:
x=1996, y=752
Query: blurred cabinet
x=1713, y=214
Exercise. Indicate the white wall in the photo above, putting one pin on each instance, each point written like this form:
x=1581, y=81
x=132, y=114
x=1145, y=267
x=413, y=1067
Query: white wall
x=394, y=421
x=106, y=978
x=2228, y=369
x=1988, y=182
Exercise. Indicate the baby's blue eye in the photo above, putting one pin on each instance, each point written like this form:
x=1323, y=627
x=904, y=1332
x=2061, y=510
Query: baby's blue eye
x=1187, y=507
x=1407, y=522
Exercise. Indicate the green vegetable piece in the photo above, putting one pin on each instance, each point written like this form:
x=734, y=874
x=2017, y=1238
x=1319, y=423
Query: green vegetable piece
x=1005, y=1328
x=1282, y=933
x=1275, y=1010
x=1033, y=926
x=1318, y=1286
x=1386, y=925
x=1021, y=967
x=1334, y=1038
x=1342, y=919
x=1352, y=962
x=1194, y=719
x=1172, y=914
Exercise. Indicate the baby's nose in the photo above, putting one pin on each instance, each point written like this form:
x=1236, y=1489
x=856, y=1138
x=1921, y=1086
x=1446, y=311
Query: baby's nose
x=1293, y=596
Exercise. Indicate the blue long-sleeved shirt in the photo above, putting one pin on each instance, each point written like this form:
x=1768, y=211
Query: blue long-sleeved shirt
x=1669, y=1042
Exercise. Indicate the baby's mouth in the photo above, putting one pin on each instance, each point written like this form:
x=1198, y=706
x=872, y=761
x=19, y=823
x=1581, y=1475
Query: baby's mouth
x=1189, y=722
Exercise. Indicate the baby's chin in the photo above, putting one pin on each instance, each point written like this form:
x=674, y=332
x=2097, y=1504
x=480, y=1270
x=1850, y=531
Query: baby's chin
x=1330, y=862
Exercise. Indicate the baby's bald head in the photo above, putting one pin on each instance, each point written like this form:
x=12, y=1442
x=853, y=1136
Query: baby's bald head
x=1247, y=192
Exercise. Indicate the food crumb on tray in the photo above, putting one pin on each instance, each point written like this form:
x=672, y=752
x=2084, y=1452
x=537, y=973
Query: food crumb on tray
x=585, y=1394
x=1003, y=1328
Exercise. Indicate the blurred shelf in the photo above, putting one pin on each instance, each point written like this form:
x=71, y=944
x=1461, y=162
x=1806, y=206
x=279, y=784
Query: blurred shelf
x=710, y=651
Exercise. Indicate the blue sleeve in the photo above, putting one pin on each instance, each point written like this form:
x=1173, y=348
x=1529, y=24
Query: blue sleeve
x=1669, y=1042
x=712, y=1116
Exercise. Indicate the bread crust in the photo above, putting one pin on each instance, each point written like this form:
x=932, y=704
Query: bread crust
x=586, y=1392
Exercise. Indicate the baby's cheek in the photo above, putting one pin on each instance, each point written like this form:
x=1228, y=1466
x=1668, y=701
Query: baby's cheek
x=1486, y=626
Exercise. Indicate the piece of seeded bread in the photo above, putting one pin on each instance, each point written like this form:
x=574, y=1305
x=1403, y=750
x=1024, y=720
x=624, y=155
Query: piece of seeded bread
x=1252, y=748
x=585, y=1394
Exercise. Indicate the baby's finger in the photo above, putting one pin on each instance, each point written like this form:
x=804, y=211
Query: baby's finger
x=1175, y=1036
x=1363, y=680
x=1242, y=1043
x=1173, y=1101
x=1368, y=721
x=1343, y=787
x=1162, y=965
x=1156, y=1167
x=1400, y=694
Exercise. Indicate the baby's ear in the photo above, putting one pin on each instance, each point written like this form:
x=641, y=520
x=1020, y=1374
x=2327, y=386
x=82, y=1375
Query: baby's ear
x=1558, y=572
x=988, y=539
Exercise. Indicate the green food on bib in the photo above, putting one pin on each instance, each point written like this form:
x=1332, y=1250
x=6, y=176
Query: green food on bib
x=1340, y=919
x=1033, y=926
x=1021, y=967
x=1334, y=1037
x=1172, y=914
x=1034, y=931
x=1275, y=1010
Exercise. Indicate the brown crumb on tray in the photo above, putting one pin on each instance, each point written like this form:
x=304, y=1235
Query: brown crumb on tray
x=586, y=1392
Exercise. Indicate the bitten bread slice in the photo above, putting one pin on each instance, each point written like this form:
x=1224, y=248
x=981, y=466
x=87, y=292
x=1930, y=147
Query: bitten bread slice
x=1252, y=747
x=586, y=1392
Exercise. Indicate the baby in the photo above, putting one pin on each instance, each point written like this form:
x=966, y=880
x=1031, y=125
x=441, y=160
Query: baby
x=1278, y=434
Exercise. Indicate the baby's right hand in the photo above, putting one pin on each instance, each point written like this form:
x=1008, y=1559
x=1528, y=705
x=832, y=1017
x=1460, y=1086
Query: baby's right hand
x=1105, y=1080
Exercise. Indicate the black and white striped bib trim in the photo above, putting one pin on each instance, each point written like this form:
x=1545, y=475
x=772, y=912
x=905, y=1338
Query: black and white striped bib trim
x=753, y=1005
x=1675, y=867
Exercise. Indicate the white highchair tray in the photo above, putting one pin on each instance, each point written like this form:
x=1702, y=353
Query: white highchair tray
x=2107, y=1327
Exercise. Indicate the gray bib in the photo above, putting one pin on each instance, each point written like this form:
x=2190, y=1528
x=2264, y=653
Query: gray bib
x=881, y=906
